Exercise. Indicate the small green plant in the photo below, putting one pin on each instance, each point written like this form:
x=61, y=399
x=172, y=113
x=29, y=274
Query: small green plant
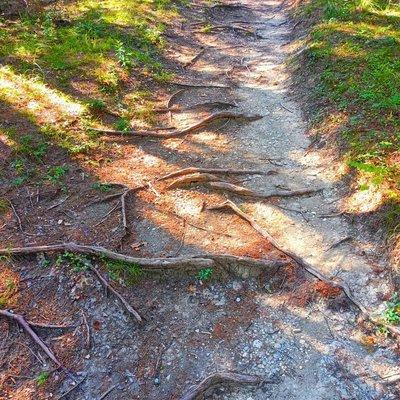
x=205, y=274
x=103, y=187
x=96, y=104
x=78, y=262
x=3, y=302
x=123, y=124
x=124, y=56
x=130, y=272
x=391, y=315
x=55, y=174
x=42, y=378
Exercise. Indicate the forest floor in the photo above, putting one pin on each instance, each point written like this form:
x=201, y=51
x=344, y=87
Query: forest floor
x=300, y=334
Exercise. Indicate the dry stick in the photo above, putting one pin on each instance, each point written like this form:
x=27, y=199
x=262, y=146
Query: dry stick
x=173, y=97
x=195, y=58
x=128, y=307
x=58, y=204
x=192, y=170
x=25, y=325
x=72, y=389
x=191, y=129
x=300, y=261
x=49, y=326
x=339, y=242
x=123, y=211
x=219, y=378
x=106, y=215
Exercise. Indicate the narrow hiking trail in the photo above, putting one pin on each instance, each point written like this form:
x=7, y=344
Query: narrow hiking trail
x=299, y=334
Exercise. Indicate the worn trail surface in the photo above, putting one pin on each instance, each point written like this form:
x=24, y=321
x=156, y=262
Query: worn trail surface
x=282, y=325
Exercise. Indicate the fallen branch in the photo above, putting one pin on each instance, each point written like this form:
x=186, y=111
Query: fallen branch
x=192, y=170
x=127, y=306
x=198, y=392
x=27, y=328
x=302, y=263
x=191, y=129
x=107, y=392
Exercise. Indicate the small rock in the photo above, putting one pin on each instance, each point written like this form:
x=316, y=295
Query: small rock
x=257, y=344
x=296, y=330
x=238, y=299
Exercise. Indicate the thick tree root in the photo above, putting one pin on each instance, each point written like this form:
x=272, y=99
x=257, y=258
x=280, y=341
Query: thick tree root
x=192, y=170
x=192, y=178
x=191, y=129
x=199, y=391
x=303, y=263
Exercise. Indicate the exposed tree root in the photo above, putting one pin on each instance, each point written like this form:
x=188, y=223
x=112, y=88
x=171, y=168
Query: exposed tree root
x=192, y=170
x=240, y=190
x=192, y=178
x=207, y=104
x=191, y=129
x=229, y=27
x=198, y=392
x=301, y=262
x=127, y=306
x=199, y=85
x=27, y=328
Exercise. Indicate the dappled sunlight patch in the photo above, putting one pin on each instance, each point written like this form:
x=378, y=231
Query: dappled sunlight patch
x=36, y=98
x=366, y=199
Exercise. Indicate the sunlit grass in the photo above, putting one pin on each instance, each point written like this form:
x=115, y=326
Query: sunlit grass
x=354, y=48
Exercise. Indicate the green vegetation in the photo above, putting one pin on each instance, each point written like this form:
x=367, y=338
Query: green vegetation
x=205, y=274
x=391, y=314
x=50, y=55
x=354, y=49
x=42, y=378
x=78, y=262
x=128, y=272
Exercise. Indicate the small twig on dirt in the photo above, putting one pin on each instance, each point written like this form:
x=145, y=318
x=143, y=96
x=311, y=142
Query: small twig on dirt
x=191, y=129
x=192, y=170
x=339, y=242
x=287, y=109
x=16, y=215
x=195, y=58
x=127, y=306
x=207, y=104
x=303, y=263
x=49, y=326
x=88, y=335
x=58, y=204
x=25, y=325
x=123, y=211
x=72, y=389
x=106, y=215
x=219, y=378
x=182, y=240
x=334, y=215
x=107, y=392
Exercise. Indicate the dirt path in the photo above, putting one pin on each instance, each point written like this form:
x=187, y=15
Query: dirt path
x=282, y=325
